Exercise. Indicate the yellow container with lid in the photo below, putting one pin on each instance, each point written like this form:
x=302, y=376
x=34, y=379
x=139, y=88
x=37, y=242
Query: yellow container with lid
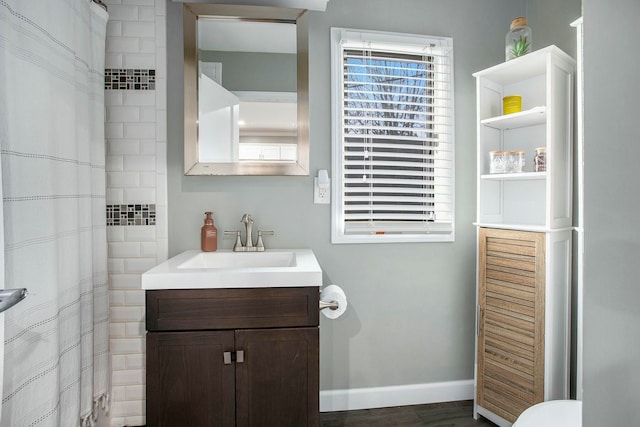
x=511, y=104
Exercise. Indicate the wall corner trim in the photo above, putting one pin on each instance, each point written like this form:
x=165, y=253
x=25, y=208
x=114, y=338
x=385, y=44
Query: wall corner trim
x=381, y=397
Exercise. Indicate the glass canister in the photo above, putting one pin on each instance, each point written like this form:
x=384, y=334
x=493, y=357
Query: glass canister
x=498, y=161
x=518, y=40
x=515, y=164
x=540, y=159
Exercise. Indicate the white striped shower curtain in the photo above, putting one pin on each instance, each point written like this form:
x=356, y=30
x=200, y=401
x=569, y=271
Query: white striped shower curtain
x=53, y=180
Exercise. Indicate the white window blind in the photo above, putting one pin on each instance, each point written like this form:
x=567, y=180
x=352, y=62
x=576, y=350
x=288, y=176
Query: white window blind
x=393, y=156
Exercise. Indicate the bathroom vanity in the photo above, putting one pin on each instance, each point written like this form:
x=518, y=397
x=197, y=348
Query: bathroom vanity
x=233, y=356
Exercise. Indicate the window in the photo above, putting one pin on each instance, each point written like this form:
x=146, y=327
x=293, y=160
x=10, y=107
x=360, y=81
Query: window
x=393, y=159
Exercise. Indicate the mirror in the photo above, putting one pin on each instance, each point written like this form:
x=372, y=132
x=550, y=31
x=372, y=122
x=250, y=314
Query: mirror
x=246, y=104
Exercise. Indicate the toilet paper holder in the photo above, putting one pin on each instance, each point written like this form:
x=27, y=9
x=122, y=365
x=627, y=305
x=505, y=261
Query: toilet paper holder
x=332, y=305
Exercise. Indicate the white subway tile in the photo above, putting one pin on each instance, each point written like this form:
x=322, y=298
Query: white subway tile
x=118, y=393
x=123, y=114
x=124, y=315
x=137, y=420
x=161, y=189
x=119, y=421
x=161, y=31
x=135, y=361
x=147, y=114
x=114, y=164
x=161, y=221
x=123, y=146
x=148, y=249
x=123, y=249
x=114, y=28
x=138, y=29
x=129, y=376
x=119, y=362
x=125, y=281
x=146, y=13
x=123, y=44
x=134, y=329
x=135, y=297
x=115, y=234
x=115, y=196
x=148, y=146
x=161, y=97
x=140, y=97
x=147, y=45
x=115, y=265
x=119, y=12
x=139, y=163
x=117, y=330
x=161, y=158
x=123, y=179
x=112, y=98
x=135, y=392
x=161, y=68
x=161, y=126
x=139, y=195
x=147, y=179
x=113, y=130
x=138, y=265
x=136, y=233
x=161, y=8
x=140, y=130
x=127, y=407
x=113, y=60
x=117, y=298
x=143, y=61
x=163, y=249
x=139, y=2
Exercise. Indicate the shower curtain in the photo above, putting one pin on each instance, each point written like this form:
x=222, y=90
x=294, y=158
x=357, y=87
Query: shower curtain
x=53, y=177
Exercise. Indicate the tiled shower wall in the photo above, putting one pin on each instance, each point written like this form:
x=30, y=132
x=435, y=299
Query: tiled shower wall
x=135, y=97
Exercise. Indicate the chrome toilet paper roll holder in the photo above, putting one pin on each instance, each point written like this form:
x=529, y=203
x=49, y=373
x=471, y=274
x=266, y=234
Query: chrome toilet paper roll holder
x=332, y=305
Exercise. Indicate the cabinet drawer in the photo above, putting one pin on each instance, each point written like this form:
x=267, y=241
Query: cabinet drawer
x=201, y=309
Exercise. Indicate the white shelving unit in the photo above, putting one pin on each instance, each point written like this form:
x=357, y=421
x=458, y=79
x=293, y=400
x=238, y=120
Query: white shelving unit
x=527, y=200
x=539, y=202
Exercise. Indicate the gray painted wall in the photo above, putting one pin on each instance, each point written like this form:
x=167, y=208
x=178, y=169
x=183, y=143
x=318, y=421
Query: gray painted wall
x=612, y=204
x=411, y=314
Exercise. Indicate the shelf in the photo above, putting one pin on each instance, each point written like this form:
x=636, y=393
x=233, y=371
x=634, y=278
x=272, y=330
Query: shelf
x=531, y=117
x=522, y=227
x=520, y=176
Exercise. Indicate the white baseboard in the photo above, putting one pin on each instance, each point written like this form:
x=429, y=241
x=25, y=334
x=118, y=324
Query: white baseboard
x=382, y=397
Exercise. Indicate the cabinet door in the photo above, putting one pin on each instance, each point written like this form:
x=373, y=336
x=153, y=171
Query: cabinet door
x=277, y=383
x=186, y=376
x=511, y=292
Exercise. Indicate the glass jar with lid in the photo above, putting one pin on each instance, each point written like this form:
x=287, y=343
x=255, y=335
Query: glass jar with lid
x=518, y=40
x=498, y=161
x=516, y=161
x=540, y=160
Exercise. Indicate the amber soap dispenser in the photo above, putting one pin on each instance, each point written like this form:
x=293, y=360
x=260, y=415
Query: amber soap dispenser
x=209, y=235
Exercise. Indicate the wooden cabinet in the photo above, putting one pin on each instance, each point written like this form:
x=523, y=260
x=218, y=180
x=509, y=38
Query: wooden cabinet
x=233, y=357
x=524, y=224
x=511, y=286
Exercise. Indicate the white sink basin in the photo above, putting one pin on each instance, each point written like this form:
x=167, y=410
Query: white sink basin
x=226, y=269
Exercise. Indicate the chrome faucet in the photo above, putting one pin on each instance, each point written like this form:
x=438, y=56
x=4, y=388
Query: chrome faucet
x=248, y=246
x=248, y=225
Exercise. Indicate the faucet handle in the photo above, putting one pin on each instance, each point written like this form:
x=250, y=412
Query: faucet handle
x=237, y=246
x=259, y=243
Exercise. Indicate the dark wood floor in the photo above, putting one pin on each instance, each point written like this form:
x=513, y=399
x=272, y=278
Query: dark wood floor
x=451, y=414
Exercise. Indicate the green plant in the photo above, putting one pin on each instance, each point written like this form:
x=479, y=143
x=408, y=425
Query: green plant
x=520, y=47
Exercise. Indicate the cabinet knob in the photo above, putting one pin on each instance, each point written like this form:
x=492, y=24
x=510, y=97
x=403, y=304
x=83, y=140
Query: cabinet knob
x=226, y=357
x=240, y=356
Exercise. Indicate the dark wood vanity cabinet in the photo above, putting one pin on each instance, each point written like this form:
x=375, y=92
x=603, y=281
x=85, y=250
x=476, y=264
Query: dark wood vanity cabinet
x=233, y=357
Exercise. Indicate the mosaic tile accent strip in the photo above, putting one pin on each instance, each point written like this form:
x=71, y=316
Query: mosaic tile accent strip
x=129, y=79
x=131, y=214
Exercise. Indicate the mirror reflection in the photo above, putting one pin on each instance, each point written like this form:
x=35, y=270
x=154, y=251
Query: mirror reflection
x=247, y=90
x=245, y=58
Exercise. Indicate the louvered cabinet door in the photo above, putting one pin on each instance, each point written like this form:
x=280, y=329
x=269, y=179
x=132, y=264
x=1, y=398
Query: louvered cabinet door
x=511, y=294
